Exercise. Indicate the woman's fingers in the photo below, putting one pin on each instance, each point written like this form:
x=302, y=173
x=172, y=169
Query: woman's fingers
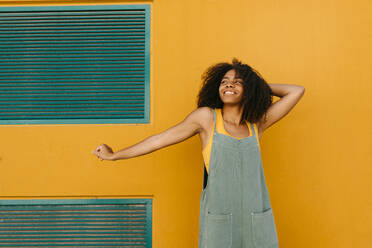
x=103, y=152
x=97, y=151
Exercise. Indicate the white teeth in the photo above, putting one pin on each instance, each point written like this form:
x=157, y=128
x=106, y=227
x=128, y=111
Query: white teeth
x=229, y=92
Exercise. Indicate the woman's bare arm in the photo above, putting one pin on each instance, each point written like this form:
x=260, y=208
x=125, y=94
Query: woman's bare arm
x=289, y=95
x=190, y=126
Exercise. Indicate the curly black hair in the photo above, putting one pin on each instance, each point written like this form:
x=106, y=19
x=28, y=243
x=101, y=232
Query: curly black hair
x=257, y=94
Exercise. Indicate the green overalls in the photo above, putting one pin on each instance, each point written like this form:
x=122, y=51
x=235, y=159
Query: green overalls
x=235, y=209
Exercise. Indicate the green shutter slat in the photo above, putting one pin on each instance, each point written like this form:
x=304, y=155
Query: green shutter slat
x=73, y=28
x=79, y=117
x=36, y=67
x=64, y=234
x=59, y=64
x=72, y=212
x=67, y=23
x=74, y=223
x=72, y=49
x=69, y=214
x=82, y=20
x=71, y=61
x=102, y=75
x=72, y=77
x=70, y=93
x=134, y=54
x=84, y=228
x=70, y=26
x=101, y=245
x=123, y=82
x=67, y=72
x=62, y=43
x=69, y=99
x=49, y=45
x=73, y=32
x=86, y=51
x=69, y=221
x=69, y=237
x=120, y=103
x=72, y=245
x=9, y=108
x=112, y=34
x=75, y=39
x=78, y=110
x=87, y=226
x=91, y=63
x=72, y=14
x=85, y=97
x=63, y=103
x=38, y=86
x=89, y=87
x=64, y=17
x=48, y=232
x=56, y=108
x=82, y=114
x=59, y=16
x=47, y=69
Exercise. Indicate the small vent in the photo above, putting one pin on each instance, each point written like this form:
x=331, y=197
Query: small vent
x=74, y=64
x=76, y=223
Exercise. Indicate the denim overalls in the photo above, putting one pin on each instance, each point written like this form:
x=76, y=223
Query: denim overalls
x=235, y=209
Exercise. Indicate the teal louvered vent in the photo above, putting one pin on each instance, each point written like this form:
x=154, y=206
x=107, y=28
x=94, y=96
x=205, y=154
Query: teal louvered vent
x=76, y=223
x=74, y=64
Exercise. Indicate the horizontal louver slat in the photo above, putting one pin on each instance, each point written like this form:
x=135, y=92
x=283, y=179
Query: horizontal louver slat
x=62, y=63
x=76, y=223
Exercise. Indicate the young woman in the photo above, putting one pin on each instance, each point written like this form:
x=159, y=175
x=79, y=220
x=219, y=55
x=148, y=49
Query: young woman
x=234, y=109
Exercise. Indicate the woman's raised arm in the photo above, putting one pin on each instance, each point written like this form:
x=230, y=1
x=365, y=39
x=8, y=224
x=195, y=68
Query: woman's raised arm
x=190, y=126
x=290, y=95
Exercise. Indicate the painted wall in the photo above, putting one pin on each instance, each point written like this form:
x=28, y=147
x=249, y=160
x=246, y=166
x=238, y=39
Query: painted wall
x=317, y=160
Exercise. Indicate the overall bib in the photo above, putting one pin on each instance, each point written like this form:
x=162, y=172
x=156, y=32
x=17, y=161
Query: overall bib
x=235, y=209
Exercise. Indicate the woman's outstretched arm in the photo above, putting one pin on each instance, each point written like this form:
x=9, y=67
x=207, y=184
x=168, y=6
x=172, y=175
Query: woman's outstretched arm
x=289, y=95
x=190, y=126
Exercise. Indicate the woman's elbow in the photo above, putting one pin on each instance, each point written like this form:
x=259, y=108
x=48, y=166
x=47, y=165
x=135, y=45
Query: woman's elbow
x=299, y=89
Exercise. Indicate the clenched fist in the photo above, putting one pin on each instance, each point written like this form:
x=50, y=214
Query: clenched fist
x=104, y=152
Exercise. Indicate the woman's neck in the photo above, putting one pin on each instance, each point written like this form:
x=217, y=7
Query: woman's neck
x=232, y=114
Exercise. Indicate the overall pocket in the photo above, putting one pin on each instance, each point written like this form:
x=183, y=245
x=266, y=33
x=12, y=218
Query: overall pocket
x=263, y=229
x=219, y=230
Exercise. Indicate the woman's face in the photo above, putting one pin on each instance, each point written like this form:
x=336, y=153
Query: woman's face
x=231, y=88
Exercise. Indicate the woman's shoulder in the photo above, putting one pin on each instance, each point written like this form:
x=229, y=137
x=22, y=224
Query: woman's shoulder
x=204, y=115
x=205, y=112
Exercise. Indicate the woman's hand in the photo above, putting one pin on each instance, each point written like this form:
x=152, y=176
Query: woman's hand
x=104, y=152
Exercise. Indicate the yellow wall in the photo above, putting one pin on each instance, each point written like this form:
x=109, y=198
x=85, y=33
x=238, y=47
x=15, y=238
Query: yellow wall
x=317, y=160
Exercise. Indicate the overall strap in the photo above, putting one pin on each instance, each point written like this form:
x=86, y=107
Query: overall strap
x=214, y=120
x=253, y=129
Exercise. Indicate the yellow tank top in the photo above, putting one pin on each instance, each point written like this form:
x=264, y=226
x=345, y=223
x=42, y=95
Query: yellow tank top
x=221, y=129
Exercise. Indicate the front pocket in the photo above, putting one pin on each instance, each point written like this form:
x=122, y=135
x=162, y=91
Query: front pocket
x=263, y=229
x=219, y=230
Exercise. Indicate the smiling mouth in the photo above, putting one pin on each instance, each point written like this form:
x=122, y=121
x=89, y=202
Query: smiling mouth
x=228, y=92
